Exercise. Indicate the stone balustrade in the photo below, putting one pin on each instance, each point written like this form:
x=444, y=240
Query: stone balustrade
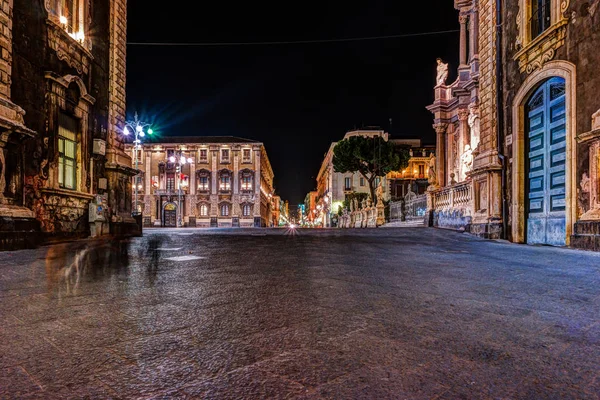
x=452, y=206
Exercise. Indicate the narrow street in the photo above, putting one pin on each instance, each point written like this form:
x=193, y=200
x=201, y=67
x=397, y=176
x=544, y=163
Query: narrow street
x=410, y=313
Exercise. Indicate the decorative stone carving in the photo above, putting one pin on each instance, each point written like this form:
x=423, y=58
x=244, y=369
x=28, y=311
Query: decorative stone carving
x=534, y=54
x=473, y=121
x=466, y=160
x=596, y=118
x=67, y=49
x=442, y=72
x=431, y=178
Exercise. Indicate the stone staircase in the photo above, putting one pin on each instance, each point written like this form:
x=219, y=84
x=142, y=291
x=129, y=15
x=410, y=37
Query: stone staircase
x=405, y=224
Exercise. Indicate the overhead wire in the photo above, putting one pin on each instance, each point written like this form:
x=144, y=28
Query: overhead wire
x=290, y=42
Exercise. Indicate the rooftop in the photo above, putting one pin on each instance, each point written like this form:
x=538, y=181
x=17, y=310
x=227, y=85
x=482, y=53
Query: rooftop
x=193, y=140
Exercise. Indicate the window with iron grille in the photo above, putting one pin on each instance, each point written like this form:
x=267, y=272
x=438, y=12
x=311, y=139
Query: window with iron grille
x=67, y=151
x=247, y=210
x=541, y=17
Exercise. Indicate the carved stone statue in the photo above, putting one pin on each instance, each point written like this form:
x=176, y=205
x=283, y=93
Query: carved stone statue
x=466, y=160
x=442, y=72
x=432, y=179
x=473, y=122
x=596, y=120
x=379, y=193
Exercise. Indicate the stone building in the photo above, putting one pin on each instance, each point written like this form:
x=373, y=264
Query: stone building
x=332, y=187
x=533, y=117
x=551, y=127
x=412, y=178
x=62, y=103
x=223, y=182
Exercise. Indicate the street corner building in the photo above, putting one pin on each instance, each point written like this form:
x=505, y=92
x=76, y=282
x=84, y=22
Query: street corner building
x=518, y=131
x=62, y=107
x=197, y=181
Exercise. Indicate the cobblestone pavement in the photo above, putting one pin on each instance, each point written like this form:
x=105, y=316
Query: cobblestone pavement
x=373, y=314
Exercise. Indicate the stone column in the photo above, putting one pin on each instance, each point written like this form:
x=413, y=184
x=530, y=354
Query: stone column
x=213, y=179
x=148, y=177
x=193, y=177
x=474, y=34
x=440, y=130
x=236, y=170
x=464, y=139
x=463, y=39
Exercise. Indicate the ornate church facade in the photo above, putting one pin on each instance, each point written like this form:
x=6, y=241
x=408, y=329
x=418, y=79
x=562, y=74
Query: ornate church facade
x=518, y=132
x=62, y=107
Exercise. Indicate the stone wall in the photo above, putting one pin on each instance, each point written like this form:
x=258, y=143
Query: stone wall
x=577, y=45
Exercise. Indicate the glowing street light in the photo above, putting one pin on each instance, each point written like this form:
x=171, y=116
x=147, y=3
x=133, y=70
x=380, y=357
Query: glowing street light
x=137, y=127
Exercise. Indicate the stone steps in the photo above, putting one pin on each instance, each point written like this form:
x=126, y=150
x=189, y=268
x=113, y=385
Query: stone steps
x=404, y=224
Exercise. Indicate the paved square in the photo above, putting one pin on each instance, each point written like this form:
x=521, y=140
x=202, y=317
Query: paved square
x=369, y=314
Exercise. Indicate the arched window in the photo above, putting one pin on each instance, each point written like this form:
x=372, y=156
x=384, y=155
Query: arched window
x=203, y=181
x=225, y=181
x=224, y=210
x=247, y=210
x=247, y=181
x=203, y=210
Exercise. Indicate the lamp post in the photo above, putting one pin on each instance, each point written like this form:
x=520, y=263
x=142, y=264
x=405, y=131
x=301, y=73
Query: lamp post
x=179, y=162
x=137, y=127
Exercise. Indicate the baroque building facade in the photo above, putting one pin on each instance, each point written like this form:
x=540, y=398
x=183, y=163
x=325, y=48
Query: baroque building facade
x=526, y=99
x=222, y=182
x=62, y=101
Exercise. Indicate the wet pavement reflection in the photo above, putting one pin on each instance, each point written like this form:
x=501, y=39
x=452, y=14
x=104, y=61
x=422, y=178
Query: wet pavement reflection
x=254, y=314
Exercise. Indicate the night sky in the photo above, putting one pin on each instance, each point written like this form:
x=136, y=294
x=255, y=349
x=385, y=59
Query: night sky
x=296, y=98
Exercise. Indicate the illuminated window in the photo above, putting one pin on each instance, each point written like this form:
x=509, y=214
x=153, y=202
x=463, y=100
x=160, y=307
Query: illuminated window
x=203, y=183
x=171, y=182
x=348, y=184
x=247, y=210
x=225, y=182
x=67, y=151
x=246, y=155
x=421, y=170
x=71, y=15
x=224, y=210
x=247, y=182
x=203, y=210
x=225, y=155
x=540, y=17
x=203, y=155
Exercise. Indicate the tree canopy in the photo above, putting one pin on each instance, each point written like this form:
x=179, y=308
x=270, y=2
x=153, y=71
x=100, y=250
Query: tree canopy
x=369, y=156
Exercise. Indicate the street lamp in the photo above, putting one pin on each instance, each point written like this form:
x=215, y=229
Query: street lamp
x=137, y=127
x=179, y=161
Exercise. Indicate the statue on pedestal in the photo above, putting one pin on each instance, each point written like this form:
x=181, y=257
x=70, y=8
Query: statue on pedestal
x=442, y=72
x=473, y=121
x=432, y=178
x=467, y=161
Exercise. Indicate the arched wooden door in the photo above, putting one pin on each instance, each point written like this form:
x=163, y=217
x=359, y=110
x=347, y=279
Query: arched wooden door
x=546, y=164
x=170, y=215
